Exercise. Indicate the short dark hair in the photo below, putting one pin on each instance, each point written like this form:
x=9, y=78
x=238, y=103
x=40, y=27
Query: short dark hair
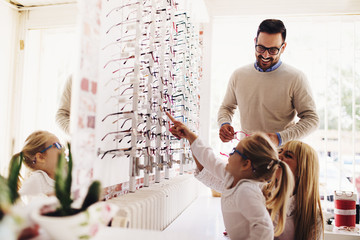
x=272, y=26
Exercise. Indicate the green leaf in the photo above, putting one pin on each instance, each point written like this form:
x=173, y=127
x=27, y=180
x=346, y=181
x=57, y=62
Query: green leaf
x=92, y=196
x=15, y=166
x=70, y=165
x=5, y=201
x=63, y=185
x=63, y=181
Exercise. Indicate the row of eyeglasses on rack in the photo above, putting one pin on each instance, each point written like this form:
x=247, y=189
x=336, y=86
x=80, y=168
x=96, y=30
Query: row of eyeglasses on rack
x=151, y=66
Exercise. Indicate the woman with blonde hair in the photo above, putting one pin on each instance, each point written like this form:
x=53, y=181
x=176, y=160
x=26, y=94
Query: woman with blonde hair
x=40, y=155
x=304, y=217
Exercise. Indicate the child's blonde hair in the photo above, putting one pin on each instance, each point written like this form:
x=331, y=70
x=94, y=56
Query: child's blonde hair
x=34, y=143
x=265, y=162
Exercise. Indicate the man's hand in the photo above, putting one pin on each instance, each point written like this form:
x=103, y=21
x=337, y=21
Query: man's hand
x=274, y=138
x=226, y=133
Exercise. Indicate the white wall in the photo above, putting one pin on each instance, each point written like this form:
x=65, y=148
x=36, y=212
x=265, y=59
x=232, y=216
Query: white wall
x=9, y=19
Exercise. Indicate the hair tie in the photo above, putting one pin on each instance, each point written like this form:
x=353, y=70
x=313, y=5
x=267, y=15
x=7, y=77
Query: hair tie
x=277, y=161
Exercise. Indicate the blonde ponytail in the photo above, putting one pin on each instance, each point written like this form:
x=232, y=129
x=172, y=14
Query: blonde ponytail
x=278, y=196
x=266, y=164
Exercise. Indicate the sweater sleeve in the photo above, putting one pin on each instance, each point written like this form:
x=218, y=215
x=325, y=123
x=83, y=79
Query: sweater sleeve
x=63, y=113
x=229, y=104
x=306, y=110
x=205, y=155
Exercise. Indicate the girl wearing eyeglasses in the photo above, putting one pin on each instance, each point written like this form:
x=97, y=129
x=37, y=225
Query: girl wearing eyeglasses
x=40, y=155
x=246, y=182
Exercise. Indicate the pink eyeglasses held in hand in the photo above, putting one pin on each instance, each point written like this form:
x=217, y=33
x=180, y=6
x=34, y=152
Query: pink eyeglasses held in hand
x=238, y=135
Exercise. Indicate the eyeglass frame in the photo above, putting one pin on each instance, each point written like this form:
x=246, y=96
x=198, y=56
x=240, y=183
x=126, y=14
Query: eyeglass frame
x=346, y=193
x=269, y=49
x=234, y=150
x=241, y=132
x=56, y=144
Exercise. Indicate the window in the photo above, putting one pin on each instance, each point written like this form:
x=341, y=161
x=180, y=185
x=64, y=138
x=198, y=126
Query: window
x=327, y=49
x=36, y=72
x=49, y=60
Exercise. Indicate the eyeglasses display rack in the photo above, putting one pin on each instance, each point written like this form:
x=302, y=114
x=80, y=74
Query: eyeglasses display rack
x=150, y=64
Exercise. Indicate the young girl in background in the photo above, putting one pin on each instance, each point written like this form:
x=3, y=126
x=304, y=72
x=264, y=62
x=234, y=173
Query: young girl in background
x=243, y=181
x=40, y=155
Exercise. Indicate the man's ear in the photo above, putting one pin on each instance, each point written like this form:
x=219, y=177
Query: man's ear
x=255, y=40
x=283, y=48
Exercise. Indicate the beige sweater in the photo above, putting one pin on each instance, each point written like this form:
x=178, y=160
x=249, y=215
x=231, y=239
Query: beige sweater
x=269, y=102
x=63, y=113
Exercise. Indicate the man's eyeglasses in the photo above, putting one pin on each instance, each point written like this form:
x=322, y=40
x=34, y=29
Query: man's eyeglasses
x=271, y=50
x=57, y=145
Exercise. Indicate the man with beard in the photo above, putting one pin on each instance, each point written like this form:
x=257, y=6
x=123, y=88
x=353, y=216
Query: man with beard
x=269, y=93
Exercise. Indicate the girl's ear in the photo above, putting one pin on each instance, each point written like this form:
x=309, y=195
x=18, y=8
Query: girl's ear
x=246, y=164
x=40, y=157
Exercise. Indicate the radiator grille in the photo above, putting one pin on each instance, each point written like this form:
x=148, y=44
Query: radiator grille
x=155, y=207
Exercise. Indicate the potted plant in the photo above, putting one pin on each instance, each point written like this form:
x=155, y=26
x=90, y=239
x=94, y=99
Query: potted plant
x=62, y=220
x=14, y=222
x=8, y=187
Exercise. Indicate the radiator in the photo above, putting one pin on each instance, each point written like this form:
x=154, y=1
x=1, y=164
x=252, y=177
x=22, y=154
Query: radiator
x=155, y=207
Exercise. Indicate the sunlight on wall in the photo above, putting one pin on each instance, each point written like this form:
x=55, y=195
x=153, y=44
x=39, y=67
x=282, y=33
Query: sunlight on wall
x=8, y=26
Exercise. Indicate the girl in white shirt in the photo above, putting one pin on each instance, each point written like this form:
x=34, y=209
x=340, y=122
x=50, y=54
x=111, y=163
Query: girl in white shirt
x=40, y=155
x=243, y=182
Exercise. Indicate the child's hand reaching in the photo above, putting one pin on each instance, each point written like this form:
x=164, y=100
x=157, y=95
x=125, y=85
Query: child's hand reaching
x=180, y=130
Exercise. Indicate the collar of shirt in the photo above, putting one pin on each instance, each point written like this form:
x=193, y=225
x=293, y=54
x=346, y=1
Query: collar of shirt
x=269, y=69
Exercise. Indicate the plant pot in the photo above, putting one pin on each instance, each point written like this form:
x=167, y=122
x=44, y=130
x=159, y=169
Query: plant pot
x=15, y=220
x=83, y=225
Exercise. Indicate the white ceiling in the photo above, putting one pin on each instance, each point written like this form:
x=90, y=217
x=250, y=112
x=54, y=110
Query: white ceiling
x=32, y=3
x=281, y=7
x=251, y=7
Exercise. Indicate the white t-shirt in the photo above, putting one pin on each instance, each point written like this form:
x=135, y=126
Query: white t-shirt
x=38, y=183
x=243, y=206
